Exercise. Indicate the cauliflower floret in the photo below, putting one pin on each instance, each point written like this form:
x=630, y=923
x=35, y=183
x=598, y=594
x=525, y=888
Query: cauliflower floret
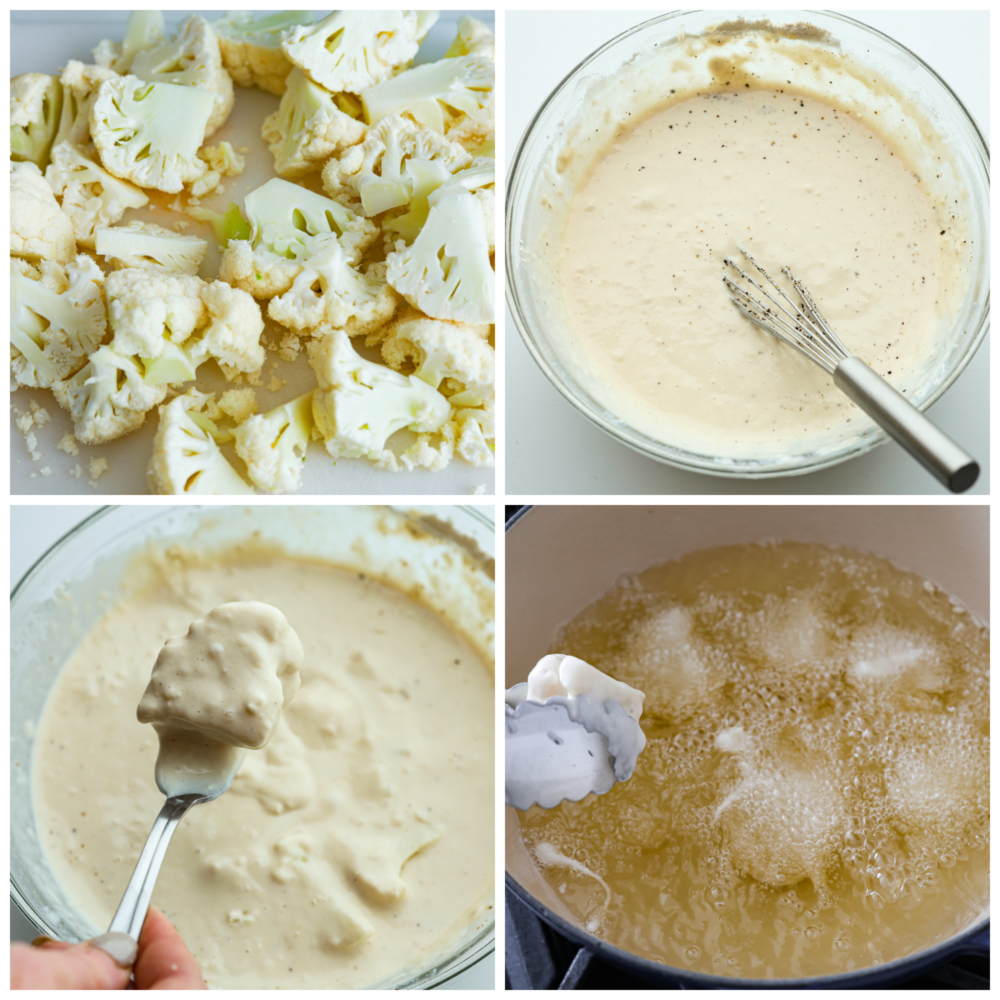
x=235, y=324
x=144, y=309
x=145, y=29
x=431, y=451
x=353, y=49
x=56, y=319
x=150, y=247
x=186, y=459
x=107, y=398
x=358, y=404
x=35, y=106
x=149, y=133
x=251, y=47
x=440, y=349
x=286, y=221
x=473, y=39
x=274, y=445
x=308, y=127
x=476, y=134
x=80, y=84
x=330, y=291
x=38, y=227
x=184, y=321
x=90, y=196
x=191, y=59
x=398, y=165
x=446, y=273
x=473, y=444
x=435, y=93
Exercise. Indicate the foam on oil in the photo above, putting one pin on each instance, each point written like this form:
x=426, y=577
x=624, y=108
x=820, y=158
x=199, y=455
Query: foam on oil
x=814, y=794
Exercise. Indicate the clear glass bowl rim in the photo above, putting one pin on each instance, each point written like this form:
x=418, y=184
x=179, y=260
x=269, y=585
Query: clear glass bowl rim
x=454, y=965
x=661, y=451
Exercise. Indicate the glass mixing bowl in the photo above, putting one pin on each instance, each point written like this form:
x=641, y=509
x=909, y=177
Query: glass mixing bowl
x=534, y=303
x=436, y=554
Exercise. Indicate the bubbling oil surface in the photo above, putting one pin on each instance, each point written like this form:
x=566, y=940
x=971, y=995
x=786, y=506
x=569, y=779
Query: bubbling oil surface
x=814, y=794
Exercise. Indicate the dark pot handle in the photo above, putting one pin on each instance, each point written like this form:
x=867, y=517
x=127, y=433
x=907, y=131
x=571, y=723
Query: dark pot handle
x=978, y=944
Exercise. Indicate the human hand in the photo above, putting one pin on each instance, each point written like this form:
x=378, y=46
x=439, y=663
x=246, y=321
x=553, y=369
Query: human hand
x=162, y=962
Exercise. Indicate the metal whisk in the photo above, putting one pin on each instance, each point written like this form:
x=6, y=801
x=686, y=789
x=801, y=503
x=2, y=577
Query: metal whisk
x=804, y=328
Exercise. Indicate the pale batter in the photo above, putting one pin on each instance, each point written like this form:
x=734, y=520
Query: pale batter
x=358, y=842
x=797, y=181
x=217, y=692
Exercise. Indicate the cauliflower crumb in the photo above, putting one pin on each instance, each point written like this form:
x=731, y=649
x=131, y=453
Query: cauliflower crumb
x=76, y=472
x=40, y=414
x=290, y=347
x=24, y=421
x=253, y=378
x=32, y=442
x=275, y=384
x=240, y=917
x=206, y=184
x=478, y=491
x=68, y=444
x=240, y=404
x=45, y=470
x=96, y=467
x=181, y=225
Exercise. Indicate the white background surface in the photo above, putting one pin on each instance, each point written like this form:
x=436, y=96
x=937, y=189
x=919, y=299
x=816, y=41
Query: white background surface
x=33, y=529
x=43, y=42
x=553, y=449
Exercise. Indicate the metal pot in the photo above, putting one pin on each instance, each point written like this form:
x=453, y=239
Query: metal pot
x=559, y=559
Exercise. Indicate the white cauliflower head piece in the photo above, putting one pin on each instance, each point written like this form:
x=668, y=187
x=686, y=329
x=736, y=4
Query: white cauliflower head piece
x=446, y=272
x=330, y=291
x=251, y=47
x=91, y=197
x=38, y=227
x=149, y=133
x=35, y=107
x=398, y=165
x=192, y=59
x=309, y=127
x=436, y=94
x=353, y=49
x=273, y=445
x=186, y=459
x=56, y=320
x=108, y=397
x=150, y=247
x=359, y=404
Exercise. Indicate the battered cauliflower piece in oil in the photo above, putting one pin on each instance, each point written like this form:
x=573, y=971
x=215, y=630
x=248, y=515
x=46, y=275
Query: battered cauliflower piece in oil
x=38, y=227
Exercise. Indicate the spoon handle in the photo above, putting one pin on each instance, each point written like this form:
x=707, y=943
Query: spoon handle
x=131, y=913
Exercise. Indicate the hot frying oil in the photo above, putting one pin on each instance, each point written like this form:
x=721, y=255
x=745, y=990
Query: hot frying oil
x=814, y=795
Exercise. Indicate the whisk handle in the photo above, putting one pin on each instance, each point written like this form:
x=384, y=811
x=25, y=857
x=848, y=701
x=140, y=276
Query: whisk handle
x=894, y=413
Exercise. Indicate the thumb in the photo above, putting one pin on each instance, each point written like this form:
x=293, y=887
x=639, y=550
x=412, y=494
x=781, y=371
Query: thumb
x=102, y=964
